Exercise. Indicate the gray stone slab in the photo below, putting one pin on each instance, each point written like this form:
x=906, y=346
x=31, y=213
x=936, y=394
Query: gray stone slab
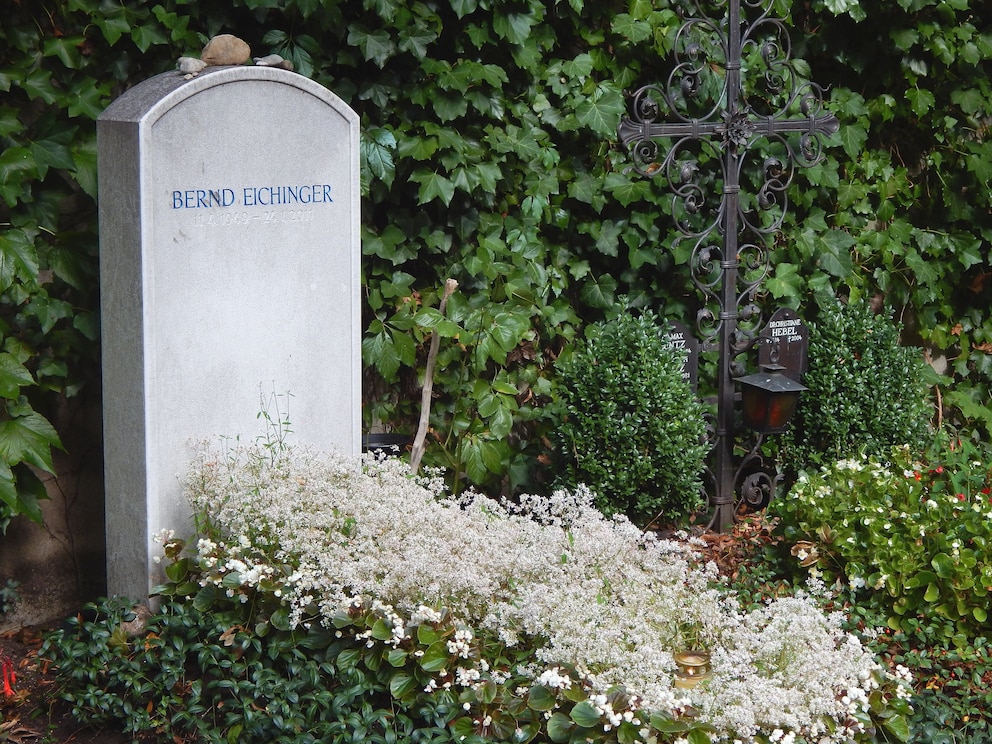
x=230, y=271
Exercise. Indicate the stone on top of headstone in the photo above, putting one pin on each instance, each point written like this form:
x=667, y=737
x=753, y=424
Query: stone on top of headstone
x=225, y=49
x=230, y=272
x=274, y=60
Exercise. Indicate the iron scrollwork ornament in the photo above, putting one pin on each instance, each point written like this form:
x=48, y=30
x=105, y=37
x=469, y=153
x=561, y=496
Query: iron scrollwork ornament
x=727, y=130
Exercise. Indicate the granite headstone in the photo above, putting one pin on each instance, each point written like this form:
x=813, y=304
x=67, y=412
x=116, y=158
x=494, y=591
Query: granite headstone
x=229, y=268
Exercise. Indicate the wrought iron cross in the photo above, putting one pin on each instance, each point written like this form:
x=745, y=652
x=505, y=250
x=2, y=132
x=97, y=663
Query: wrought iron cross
x=711, y=112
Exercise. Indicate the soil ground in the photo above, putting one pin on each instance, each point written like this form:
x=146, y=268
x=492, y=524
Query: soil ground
x=31, y=714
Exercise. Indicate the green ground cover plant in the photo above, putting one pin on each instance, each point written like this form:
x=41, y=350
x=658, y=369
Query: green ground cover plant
x=561, y=627
x=629, y=426
x=903, y=539
x=916, y=525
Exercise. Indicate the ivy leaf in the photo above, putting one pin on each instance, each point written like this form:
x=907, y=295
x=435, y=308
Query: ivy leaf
x=377, y=157
x=514, y=27
x=112, y=27
x=84, y=160
x=602, y=111
x=631, y=29
x=786, y=281
x=28, y=438
x=90, y=99
x=599, y=292
x=13, y=376
x=833, y=252
x=54, y=152
x=18, y=258
x=416, y=40
x=433, y=186
x=148, y=35
x=921, y=101
x=463, y=7
x=625, y=189
x=21, y=492
x=66, y=48
x=852, y=139
x=15, y=164
x=376, y=46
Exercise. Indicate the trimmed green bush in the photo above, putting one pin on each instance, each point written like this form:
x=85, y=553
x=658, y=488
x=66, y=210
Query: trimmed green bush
x=866, y=393
x=630, y=427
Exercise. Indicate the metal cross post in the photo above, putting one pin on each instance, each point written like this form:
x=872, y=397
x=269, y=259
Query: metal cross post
x=713, y=118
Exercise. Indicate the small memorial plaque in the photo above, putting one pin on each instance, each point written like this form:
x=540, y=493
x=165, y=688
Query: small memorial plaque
x=680, y=338
x=785, y=341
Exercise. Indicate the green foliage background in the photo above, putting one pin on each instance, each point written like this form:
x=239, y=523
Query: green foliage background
x=490, y=156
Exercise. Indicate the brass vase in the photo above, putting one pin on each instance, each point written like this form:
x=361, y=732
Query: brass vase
x=694, y=667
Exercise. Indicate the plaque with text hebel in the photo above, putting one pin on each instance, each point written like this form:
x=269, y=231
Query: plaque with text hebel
x=785, y=341
x=230, y=273
x=680, y=338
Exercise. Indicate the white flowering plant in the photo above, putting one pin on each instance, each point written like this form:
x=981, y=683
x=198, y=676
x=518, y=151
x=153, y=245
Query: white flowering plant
x=914, y=527
x=529, y=621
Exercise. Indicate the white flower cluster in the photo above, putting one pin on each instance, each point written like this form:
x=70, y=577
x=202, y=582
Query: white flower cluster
x=604, y=597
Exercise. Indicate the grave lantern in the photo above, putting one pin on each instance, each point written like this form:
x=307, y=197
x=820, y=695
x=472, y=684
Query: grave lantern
x=769, y=399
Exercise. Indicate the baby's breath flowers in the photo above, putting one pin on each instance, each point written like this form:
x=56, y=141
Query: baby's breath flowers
x=593, y=605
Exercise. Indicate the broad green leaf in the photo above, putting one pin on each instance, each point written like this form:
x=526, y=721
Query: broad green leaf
x=21, y=491
x=148, y=35
x=500, y=426
x=920, y=100
x=29, y=439
x=585, y=714
x=943, y=565
x=463, y=7
x=560, y=728
x=84, y=160
x=15, y=165
x=898, y=726
x=416, y=40
x=625, y=189
x=471, y=455
x=834, y=252
x=402, y=684
x=376, y=46
x=633, y=30
x=54, y=152
x=599, y=292
x=66, y=48
x=785, y=282
x=514, y=27
x=601, y=112
x=431, y=319
x=436, y=657
x=13, y=376
x=112, y=27
x=433, y=186
x=852, y=138
x=541, y=698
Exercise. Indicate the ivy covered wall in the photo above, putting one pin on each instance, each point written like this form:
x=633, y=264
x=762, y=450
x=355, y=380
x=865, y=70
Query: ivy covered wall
x=490, y=157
